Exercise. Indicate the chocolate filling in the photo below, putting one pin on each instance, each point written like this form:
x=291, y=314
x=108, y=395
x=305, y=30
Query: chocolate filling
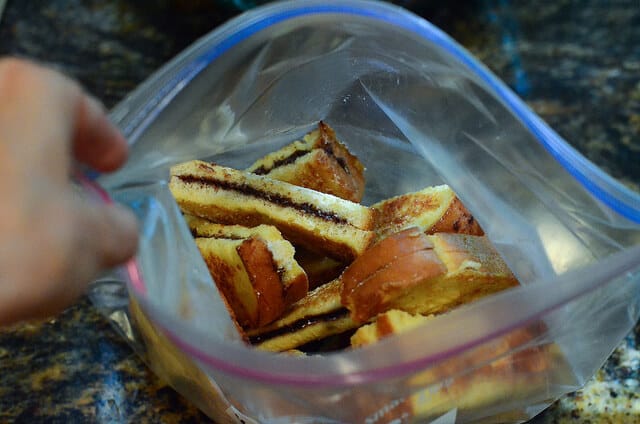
x=262, y=170
x=196, y=234
x=329, y=151
x=270, y=197
x=299, y=325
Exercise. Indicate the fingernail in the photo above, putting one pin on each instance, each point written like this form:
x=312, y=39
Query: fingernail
x=99, y=114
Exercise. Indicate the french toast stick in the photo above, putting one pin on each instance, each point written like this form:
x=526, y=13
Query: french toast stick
x=318, y=315
x=291, y=275
x=254, y=269
x=320, y=222
x=228, y=272
x=422, y=274
x=434, y=209
x=319, y=162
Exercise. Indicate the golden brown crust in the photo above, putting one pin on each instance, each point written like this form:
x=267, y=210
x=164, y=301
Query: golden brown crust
x=376, y=292
x=457, y=219
x=312, y=330
x=296, y=289
x=381, y=255
x=254, y=267
x=397, y=212
x=323, y=300
x=419, y=276
x=432, y=209
x=292, y=276
x=227, y=276
x=264, y=277
x=318, y=315
x=321, y=172
x=314, y=241
x=319, y=162
x=352, y=173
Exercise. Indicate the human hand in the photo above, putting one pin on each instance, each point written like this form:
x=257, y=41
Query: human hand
x=52, y=241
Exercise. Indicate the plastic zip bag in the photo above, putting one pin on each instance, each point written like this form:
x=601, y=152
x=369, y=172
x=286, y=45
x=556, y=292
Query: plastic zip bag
x=418, y=110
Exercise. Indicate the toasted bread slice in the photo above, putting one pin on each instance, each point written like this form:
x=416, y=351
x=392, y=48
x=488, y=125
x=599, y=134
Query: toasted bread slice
x=391, y=322
x=320, y=222
x=253, y=268
x=318, y=315
x=432, y=209
x=423, y=274
x=231, y=277
x=291, y=275
x=319, y=162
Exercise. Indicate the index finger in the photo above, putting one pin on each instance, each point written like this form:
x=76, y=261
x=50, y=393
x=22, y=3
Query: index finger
x=96, y=141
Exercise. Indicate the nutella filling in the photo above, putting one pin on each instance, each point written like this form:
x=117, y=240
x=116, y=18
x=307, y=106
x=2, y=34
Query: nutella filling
x=299, y=325
x=196, y=234
x=262, y=170
x=343, y=163
x=278, y=199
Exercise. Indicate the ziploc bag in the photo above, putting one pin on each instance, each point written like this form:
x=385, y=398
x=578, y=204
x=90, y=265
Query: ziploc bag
x=417, y=110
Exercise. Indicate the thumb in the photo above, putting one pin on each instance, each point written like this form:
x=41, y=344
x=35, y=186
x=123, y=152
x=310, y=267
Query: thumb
x=92, y=238
x=102, y=236
x=98, y=236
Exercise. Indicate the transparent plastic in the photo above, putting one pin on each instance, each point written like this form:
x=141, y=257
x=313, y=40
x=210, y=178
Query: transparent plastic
x=418, y=110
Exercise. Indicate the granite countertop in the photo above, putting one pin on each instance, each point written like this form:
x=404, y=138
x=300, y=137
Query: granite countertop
x=576, y=63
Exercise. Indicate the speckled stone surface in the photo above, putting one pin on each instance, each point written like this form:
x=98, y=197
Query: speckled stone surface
x=576, y=63
x=76, y=368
